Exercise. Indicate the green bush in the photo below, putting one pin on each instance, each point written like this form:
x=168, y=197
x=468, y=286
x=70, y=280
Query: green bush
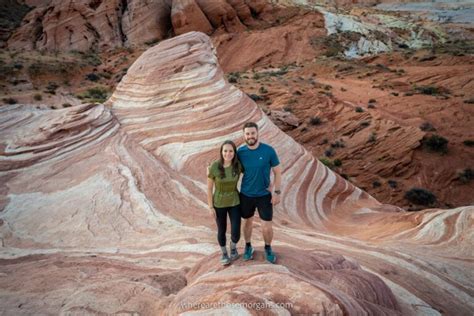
x=337, y=162
x=327, y=162
x=420, y=196
x=436, y=143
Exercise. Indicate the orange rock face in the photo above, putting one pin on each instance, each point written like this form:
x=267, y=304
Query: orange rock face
x=71, y=25
x=103, y=211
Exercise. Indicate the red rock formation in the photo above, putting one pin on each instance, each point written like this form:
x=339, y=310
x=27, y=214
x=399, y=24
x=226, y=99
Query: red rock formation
x=103, y=211
x=187, y=16
x=71, y=25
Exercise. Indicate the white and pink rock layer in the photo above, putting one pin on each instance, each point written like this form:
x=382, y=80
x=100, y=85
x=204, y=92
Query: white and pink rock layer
x=103, y=211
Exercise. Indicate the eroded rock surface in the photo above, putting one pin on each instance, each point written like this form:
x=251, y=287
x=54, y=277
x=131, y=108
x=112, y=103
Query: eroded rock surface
x=102, y=211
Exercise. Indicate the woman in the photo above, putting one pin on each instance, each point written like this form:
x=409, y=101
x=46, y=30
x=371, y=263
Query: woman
x=223, y=175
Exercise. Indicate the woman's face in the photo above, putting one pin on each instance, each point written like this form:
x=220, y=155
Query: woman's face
x=228, y=152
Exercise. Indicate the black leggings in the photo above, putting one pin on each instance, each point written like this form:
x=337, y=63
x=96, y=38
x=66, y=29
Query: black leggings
x=221, y=220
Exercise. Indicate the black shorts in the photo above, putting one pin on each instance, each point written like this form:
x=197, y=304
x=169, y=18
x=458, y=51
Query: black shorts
x=263, y=204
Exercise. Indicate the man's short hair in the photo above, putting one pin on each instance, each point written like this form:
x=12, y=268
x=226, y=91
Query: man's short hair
x=250, y=124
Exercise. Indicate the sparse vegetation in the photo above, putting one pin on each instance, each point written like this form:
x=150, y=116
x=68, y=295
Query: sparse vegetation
x=392, y=183
x=328, y=152
x=255, y=97
x=315, y=120
x=38, y=97
x=327, y=162
x=376, y=184
x=372, y=101
x=468, y=142
x=51, y=88
x=337, y=162
x=420, y=196
x=371, y=106
x=466, y=176
x=263, y=90
x=431, y=90
x=372, y=137
x=427, y=127
x=436, y=143
x=233, y=77
x=95, y=95
x=92, y=77
x=359, y=109
x=469, y=101
x=338, y=144
x=67, y=105
x=288, y=108
x=10, y=100
x=152, y=42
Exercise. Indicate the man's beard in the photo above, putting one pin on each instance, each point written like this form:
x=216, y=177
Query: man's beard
x=251, y=141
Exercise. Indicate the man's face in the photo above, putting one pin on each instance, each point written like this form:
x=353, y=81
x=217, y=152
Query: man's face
x=251, y=135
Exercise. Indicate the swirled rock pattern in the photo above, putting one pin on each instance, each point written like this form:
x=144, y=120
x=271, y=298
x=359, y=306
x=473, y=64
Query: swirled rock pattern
x=103, y=211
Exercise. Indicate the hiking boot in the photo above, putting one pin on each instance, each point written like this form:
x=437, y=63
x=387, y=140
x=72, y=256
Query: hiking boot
x=225, y=260
x=234, y=254
x=270, y=255
x=248, y=253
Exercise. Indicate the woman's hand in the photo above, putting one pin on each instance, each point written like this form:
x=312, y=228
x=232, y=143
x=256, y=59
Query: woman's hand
x=212, y=211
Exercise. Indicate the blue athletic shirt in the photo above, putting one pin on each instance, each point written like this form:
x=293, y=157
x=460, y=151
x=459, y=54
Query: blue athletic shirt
x=257, y=164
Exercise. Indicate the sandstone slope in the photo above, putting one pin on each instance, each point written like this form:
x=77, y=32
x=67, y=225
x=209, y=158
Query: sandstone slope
x=103, y=212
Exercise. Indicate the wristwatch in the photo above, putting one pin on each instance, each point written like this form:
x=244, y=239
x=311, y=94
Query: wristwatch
x=277, y=192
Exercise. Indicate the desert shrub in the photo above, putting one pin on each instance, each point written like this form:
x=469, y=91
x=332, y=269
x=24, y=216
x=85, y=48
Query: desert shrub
x=255, y=97
x=97, y=93
x=337, y=144
x=431, y=90
x=372, y=101
x=436, y=143
x=152, y=41
x=468, y=142
x=466, y=175
x=38, y=97
x=327, y=162
x=372, y=137
x=67, y=105
x=92, y=77
x=263, y=90
x=315, y=120
x=420, y=196
x=376, y=184
x=371, y=106
x=359, y=109
x=328, y=152
x=233, y=77
x=288, y=108
x=427, y=127
x=392, y=183
x=337, y=162
x=51, y=88
x=469, y=101
x=10, y=100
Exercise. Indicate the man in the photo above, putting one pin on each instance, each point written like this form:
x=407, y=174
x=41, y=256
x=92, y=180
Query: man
x=257, y=159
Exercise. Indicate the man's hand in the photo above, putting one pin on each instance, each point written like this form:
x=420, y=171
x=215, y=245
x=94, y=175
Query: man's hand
x=275, y=199
x=270, y=187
